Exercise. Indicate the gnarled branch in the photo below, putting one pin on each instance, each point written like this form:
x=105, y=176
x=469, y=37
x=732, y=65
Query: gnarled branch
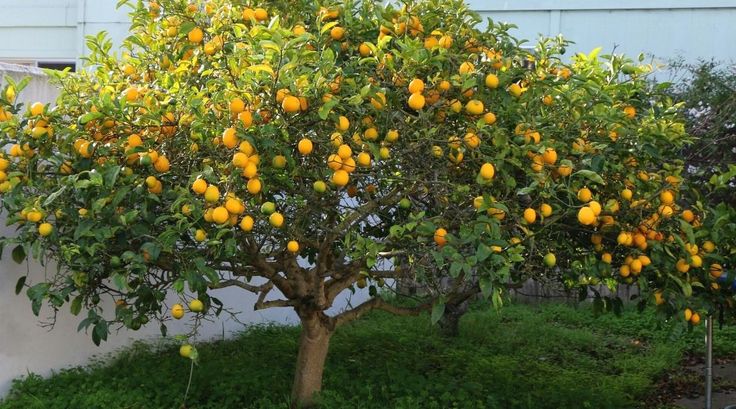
x=378, y=303
x=237, y=283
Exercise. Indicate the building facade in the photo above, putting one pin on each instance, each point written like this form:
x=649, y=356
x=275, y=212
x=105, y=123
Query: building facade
x=51, y=33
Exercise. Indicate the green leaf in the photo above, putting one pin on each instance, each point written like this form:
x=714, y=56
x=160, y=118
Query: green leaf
x=438, y=310
x=91, y=116
x=483, y=252
x=153, y=249
x=688, y=229
x=19, y=284
x=592, y=176
x=38, y=291
x=76, y=305
x=325, y=109
x=50, y=199
x=486, y=286
x=18, y=254
x=455, y=268
x=120, y=281
x=110, y=175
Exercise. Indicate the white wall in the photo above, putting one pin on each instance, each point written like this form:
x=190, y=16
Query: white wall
x=666, y=29
x=25, y=345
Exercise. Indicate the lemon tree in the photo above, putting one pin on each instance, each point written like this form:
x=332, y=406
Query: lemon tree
x=301, y=150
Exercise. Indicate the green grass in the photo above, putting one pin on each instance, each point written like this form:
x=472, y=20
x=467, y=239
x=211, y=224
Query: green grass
x=553, y=356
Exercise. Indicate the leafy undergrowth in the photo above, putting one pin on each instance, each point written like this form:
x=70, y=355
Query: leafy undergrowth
x=549, y=356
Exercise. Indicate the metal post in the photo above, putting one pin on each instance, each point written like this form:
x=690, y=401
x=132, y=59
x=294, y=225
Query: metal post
x=709, y=362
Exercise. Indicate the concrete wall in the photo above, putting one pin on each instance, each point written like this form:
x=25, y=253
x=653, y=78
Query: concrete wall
x=55, y=30
x=26, y=344
x=667, y=29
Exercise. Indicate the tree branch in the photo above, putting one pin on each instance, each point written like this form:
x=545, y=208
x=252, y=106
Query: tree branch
x=237, y=283
x=262, y=305
x=378, y=304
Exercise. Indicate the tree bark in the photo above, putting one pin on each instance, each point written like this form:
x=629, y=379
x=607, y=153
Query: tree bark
x=314, y=343
x=450, y=321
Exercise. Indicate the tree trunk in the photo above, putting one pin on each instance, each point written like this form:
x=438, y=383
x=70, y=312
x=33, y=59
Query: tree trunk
x=314, y=343
x=450, y=321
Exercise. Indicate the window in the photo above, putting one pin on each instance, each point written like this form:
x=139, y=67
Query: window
x=54, y=65
x=57, y=65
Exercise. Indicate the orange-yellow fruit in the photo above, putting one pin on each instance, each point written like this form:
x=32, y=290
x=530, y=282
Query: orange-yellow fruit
x=627, y=194
x=305, y=146
x=515, y=90
x=667, y=197
x=340, y=178
x=595, y=207
x=416, y=86
x=276, y=219
x=624, y=271
x=220, y=215
x=635, y=266
x=246, y=118
x=682, y=266
x=291, y=104
x=487, y=171
x=237, y=105
x=196, y=35
x=545, y=210
x=246, y=224
x=565, y=169
x=688, y=215
x=343, y=124
x=293, y=246
x=260, y=14
x=630, y=112
x=530, y=215
x=234, y=206
x=584, y=195
x=606, y=258
x=549, y=156
x=466, y=67
x=344, y=151
x=474, y=107
x=162, y=164
x=416, y=101
x=586, y=216
x=334, y=162
x=212, y=194
x=491, y=81
x=254, y=186
x=489, y=118
x=177, y=311
x=199, y=186
x=695, y=319
x=364, y=159
x=279, y=161
x=440, y=236
x=230, y=138
x=200, y=235
x=37, y=109
x=696, y=261
x=709, y=246
x=337, y=33
x=45, y=229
